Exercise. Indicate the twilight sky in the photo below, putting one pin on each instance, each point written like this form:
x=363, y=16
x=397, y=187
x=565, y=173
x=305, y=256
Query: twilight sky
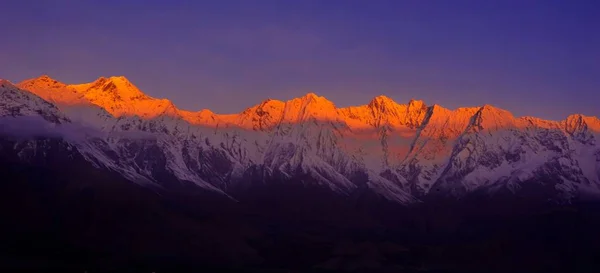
x=539, y=58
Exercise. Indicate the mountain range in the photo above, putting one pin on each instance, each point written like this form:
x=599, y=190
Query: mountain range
x=102, y=177
x=403, y=153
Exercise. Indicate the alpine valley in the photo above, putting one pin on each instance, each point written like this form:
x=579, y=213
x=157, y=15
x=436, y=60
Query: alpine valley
x=100, y=168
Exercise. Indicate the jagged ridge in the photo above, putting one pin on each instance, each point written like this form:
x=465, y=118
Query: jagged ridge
x=396, y=150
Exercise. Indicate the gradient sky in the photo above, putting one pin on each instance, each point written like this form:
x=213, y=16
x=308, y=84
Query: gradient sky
x=539, y=58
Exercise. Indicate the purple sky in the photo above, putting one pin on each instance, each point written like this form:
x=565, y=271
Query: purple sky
x=538, y=58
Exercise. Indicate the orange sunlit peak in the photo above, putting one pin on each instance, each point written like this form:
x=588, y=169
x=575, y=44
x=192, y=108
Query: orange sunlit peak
x=113, y=79
x=3, y=81
x=436, y=107
x=311, y=95
x=41, y=79
x=119, y=78
x=415, y=102
x=44, y=77
x=205, y=112
x=270, y=101
x=382, y=99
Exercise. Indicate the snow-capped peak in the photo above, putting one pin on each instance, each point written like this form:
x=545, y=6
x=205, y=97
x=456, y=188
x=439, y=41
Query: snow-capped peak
x=381, y=101
x=6, y=85
x=41, y=82
x=578, y=122
x=15, y=102
x=491, y=118
x=309, y=106
x=119, y=87
x=416, y=104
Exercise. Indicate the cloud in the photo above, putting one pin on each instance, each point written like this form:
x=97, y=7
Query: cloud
x=28, y=127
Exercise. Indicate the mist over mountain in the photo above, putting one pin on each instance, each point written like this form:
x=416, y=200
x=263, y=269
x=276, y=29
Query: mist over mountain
x=104, y=170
